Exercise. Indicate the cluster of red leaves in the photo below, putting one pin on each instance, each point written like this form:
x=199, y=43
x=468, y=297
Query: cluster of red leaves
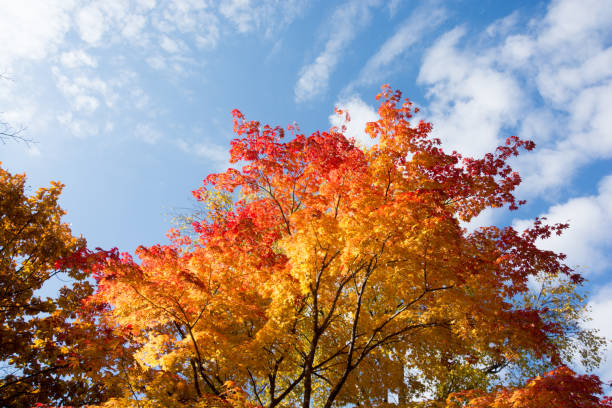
x=558, y=388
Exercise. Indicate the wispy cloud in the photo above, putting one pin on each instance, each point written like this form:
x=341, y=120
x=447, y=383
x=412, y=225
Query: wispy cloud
x=266, y=15
x=85, y=92
x=346, y=21
x=77, y=59
x=196, y=20
x=215, y=153
x=35, y=29
x=148, y=133
x=73, y=38
x=78, y=127
x=422, y=21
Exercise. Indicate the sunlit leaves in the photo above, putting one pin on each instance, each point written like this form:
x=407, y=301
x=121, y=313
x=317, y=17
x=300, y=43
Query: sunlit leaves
x=321, y=273
x=49, y=353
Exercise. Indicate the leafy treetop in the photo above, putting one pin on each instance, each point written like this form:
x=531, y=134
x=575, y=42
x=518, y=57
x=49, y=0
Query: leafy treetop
x=324, y=274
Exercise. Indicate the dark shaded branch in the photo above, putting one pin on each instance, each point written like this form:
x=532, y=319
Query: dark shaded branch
x=196, y=382
x=254, y=387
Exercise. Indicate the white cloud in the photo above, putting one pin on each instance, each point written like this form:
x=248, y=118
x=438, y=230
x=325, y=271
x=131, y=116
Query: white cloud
x=78, y=127
x=591, y=117
x=470, y=100
x=86, y=103
x=486, y=218
x=32, y=29
x=194, y=19
x=540, y=124
x=169, y=45
x=345, y=22
x=33, y=150
x=559, y=83
x=84, y=92
x=139, y=98
x=208, y=38
x=112, y=17
x=272, y=15
x=576, y=24
x=18, y=116
x=588, y=240
x=516, y=51
x=568, y=140
x=171, y=26
x=547, y=168
x=360, y=113
x=36, y=29
x=184, y=14
x=239, y=12
x=157, y=62
x=207, y=150
x=146, y=4
x=501, y=27
x=91, y=23
x=77, y=59
x=133, y=26
x=552, y=81
x=148, y=133
x=78, y=97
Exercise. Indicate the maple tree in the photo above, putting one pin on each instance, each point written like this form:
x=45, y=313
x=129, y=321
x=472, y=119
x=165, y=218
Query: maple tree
x=325, y=274
x=48, y=353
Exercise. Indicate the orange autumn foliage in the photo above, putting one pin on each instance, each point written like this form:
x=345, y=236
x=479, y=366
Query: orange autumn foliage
x=50, y=352
x=326, y=274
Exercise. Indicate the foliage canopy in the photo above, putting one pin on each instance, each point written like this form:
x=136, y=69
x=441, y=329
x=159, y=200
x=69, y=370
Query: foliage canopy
x=326, y=274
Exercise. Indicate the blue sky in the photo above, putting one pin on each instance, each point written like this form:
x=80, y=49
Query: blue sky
x=129, y=101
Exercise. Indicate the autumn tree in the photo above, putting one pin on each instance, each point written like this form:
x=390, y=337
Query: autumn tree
x=325, y=274
x=48, y=353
